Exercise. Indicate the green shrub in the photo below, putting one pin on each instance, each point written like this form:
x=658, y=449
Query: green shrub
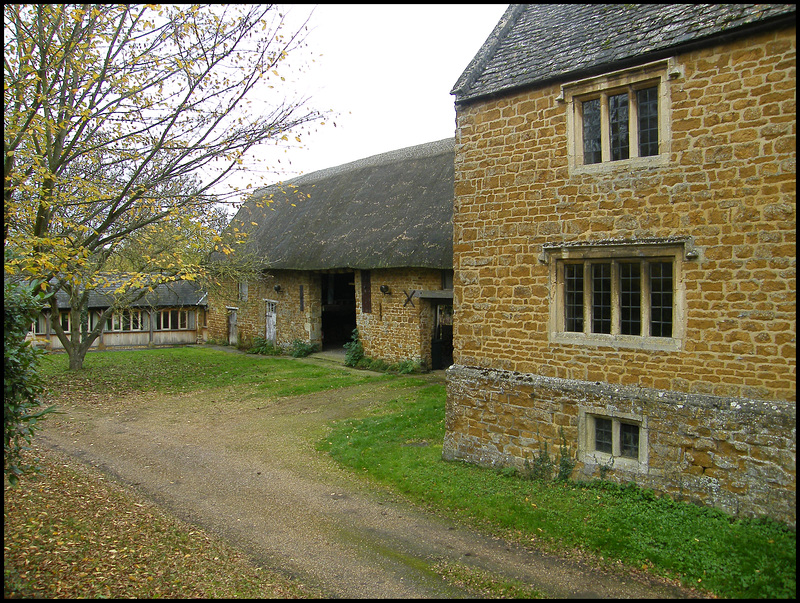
x=264, y=347
x=406, y=367
x=540, y=467
x=301, y=349
x=22, y=381
x=354, y=350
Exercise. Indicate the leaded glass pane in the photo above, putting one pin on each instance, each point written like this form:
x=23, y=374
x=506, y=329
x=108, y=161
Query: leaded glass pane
x=630, y=303
x=603, y=435
x=618, y=122
x=661, y=303
x=647, y=102
x=573, y=285
x=601, y=298
x=629, y=440
x=591, y=131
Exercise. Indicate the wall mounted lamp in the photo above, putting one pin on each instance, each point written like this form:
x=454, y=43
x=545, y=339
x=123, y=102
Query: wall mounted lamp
x=385, y=289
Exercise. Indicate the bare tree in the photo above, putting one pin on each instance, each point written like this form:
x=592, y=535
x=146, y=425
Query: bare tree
x=122, y=120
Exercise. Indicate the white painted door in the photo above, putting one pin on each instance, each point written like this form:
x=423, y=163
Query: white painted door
x=271, y=321
x=233, y=329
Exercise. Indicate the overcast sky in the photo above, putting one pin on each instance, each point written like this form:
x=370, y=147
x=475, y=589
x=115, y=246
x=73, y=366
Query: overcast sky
x=387, y=71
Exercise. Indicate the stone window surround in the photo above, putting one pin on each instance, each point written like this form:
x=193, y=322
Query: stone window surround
x=573, y=93
x=586, y=445
x=677, y=250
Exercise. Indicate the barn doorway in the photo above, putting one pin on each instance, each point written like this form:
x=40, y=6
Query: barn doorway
x=338, y=308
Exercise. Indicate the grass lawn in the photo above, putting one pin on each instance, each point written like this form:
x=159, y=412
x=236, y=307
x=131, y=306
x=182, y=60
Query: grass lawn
x=703, y=548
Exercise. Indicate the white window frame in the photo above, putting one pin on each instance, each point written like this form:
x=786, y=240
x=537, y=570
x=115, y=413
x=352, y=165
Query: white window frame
x=62, y=314
x=589, y=455
x=573, y=94
x=184, y=318
x=39, y=324
x=615, y=252
x=117, y=321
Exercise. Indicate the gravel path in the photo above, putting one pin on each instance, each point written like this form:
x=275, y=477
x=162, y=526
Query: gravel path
x=250, y=474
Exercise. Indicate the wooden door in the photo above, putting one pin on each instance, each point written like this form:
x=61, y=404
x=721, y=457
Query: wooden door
x=233, y=329
x=271, y=321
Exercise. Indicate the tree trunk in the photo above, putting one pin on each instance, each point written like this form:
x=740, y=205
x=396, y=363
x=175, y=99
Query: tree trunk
x=76, y=359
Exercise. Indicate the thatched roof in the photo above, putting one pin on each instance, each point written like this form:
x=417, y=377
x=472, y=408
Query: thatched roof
x=386, y=211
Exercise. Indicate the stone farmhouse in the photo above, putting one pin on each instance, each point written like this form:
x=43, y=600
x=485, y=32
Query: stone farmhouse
x=365, y=245
x=172, y=314
x=625, y=254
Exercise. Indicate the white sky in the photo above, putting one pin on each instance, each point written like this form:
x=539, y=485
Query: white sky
x=387, y=71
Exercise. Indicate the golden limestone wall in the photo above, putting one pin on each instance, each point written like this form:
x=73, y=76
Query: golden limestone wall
x=397, y=329
x=294, y=319
x=727, y=185
x=394, y=330
x=730, y=185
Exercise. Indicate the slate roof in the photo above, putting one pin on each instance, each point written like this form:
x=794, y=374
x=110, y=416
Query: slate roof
x=178, y=293
x=386, y=211
x=536, y=43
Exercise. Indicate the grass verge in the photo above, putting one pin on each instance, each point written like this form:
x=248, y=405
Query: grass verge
x=702, y=547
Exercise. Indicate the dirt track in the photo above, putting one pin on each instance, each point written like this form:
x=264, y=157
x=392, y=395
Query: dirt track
x=249, y=473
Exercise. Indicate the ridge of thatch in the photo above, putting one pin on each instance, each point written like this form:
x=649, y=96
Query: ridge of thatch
x=386, y=211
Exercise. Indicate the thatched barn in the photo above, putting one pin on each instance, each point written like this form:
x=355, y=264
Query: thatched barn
x=366, y=245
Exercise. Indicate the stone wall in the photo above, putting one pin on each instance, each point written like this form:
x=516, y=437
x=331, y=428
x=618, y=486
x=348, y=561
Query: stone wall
x=293, y=322
x=726, y=186
x=394, y=331
x=729, y=186
x=734, y=454
x=398, y=329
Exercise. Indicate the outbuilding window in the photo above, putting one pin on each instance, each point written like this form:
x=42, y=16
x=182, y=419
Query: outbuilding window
x=174, y=320
x=366, y=292
x=125, y=320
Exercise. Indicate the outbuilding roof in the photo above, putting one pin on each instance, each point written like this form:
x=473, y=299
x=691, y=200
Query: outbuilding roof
x=536, y=43
x=175, y=294
x=386, y=211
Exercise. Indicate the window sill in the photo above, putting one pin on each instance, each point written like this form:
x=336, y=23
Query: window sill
x=623, y=165
x=613, y=463
x=656, y=344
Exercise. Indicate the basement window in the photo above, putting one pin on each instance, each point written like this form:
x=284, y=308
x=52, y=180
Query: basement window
x=614, y=440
